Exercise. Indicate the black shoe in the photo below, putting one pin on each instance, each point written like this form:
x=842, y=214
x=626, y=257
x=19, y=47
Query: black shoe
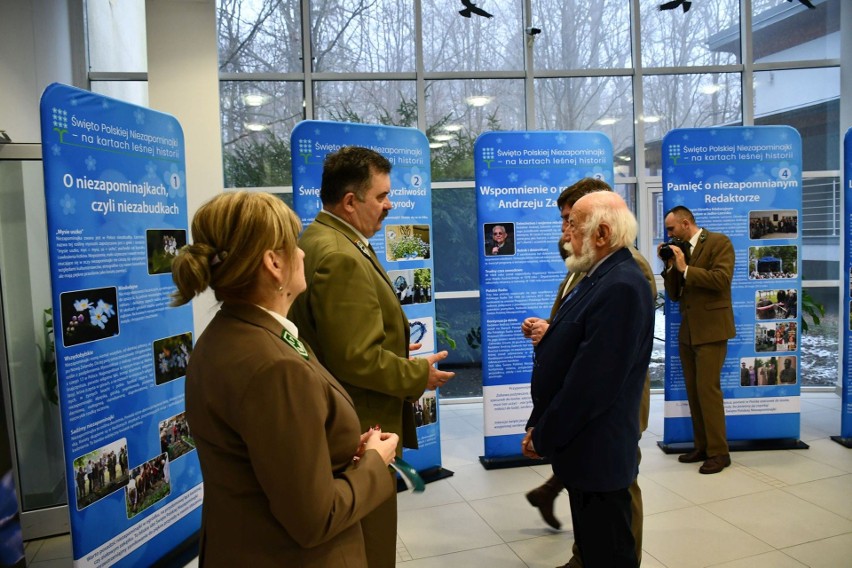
x=715, y=464
x=694, y=456
x=542, y=499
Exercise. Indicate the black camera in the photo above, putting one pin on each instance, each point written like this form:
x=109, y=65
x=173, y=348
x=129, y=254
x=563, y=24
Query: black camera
x=666, y=250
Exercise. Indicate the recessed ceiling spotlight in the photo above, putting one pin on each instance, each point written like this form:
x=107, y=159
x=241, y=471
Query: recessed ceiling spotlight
x=478, y=100
x=607, y=121
x=710, y=89
x=254, y=100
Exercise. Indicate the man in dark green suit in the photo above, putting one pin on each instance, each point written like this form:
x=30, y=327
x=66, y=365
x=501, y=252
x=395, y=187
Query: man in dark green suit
x=351, y=316
x=701, y=284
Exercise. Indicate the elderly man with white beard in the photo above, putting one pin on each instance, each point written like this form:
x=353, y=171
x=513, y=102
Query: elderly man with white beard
x=533, y=328
x=588, y=376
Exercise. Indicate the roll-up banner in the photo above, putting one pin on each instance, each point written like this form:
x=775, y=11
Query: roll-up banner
x=845, y=437
x=519, y=176
x=115, y=192
x=403, y=245
x=744, y=182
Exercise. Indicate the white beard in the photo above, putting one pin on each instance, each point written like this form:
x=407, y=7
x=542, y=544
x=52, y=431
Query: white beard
x=586, y=260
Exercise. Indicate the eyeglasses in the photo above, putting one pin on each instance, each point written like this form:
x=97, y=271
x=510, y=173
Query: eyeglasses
x=571, y=222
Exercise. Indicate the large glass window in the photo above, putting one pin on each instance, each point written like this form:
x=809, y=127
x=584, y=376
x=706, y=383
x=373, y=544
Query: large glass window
x=820, y=350
x=568, y=65
x=578, y=34
x=689, y=101
x=455, y=43
x=809, y=101
x=362, y=35
x=257, y=118
x=260, y=36
x=458, y=111
x=821, y=228
x=672, y=38
x=604, y=104
x=373, y=102
x=453, y=223
x=784, y=31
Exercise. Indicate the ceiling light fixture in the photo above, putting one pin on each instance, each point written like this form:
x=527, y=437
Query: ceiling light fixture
x=478, y=100
x=254, y=100
x=607, y=121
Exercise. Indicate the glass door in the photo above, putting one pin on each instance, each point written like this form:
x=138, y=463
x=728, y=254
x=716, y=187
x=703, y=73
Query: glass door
x=27, y=367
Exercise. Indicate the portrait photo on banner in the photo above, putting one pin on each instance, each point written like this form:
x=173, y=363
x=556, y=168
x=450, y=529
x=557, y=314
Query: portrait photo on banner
x=412, y=286
x=88, y=315
x=499, y=238
x=773, y=224
x=768, y=371
x=407, y=242
x=426, y=409
x=171, y=356
x=776, y=304
x=775, y=336
x=100, y=472
x=772, y=262
x=162, y=248
x=149, y=483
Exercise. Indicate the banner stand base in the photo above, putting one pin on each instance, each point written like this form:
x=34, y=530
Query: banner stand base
x=845, y=442
x=428, y=475
x=509, y=461
x=740, y=445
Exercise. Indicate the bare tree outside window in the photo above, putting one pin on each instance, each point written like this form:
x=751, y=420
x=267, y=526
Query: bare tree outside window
x=476, y=77
x=375, y=36
x=259, y=36
x=578, y=34
x=676, y=39
x=457, y=111
x=392, y=103
x=454, y=43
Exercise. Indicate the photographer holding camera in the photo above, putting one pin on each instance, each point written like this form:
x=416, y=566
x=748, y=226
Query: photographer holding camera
x=701, y=283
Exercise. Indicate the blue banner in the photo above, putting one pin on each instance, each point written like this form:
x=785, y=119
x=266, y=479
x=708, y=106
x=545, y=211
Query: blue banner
x=115, y=192
x=846, y=368
x=519, y=176
x=403, y=245
x=744, y=182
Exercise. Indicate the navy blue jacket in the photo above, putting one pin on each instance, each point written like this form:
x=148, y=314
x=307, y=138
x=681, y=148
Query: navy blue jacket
x=588, y=375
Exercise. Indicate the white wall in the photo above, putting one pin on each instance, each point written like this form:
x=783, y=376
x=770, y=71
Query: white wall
x=35, y=43
x=183, y=80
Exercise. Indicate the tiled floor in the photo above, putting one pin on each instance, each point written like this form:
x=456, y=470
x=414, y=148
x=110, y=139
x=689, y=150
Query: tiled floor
x=775, y=509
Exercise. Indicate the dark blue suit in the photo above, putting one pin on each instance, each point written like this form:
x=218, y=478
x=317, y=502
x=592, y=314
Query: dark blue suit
x=587, y=382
